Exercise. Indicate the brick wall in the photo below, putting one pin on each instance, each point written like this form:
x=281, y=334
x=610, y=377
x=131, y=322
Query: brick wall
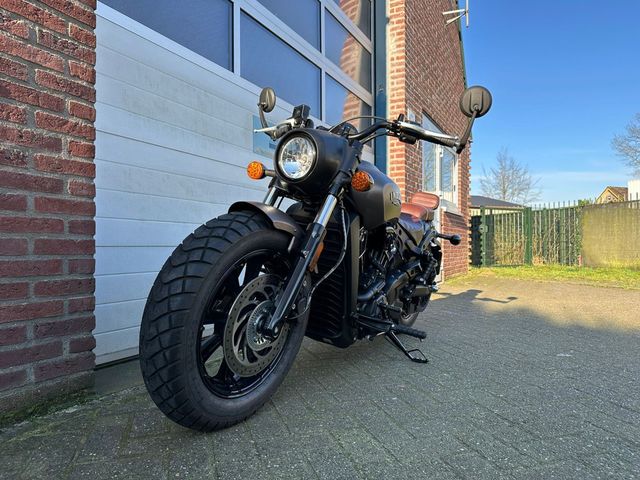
x=47, y=95
x=426, y=75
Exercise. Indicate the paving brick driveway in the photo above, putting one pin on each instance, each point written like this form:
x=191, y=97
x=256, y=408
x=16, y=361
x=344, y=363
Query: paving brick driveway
x=526, y=380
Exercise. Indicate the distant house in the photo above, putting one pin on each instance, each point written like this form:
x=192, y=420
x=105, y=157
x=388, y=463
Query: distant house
x=613, y=194
x=496, y=206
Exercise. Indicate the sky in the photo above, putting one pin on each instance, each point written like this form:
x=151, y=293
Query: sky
x=565, y=78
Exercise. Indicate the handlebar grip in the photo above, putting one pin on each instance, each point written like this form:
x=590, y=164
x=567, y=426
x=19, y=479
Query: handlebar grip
x=453, y=239
x=449, y=143
x=412, y=128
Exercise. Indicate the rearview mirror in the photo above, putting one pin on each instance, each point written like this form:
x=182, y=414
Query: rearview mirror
x=475, y=100
x=267, y=99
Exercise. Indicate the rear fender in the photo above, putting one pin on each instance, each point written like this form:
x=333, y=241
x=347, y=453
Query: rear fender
x=277, y=218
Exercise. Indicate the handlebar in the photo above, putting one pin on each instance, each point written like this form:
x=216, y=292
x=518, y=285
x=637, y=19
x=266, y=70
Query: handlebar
x=276, y=131
x=399, y=128
x=424, y=134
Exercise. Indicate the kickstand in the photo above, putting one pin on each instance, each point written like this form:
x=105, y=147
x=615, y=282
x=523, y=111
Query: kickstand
x=414, y=355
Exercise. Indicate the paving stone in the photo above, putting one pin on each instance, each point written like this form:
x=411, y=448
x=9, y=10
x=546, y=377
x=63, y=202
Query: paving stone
x=528, y=388
x=131, y=468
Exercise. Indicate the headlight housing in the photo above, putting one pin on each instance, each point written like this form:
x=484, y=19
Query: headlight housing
x=297, y=157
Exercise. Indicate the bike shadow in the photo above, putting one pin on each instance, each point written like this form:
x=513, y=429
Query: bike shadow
x=472, y=294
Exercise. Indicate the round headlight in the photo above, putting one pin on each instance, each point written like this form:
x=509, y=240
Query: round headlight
x=296, y=157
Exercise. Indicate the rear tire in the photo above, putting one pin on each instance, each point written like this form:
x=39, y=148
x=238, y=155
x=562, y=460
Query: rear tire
x=171, y=333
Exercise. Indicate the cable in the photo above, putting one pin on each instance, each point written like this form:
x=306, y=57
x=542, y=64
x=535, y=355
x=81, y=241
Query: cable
x=372, y=137
x=356, y=118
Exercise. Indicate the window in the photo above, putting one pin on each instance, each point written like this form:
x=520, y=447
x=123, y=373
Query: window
x=331, y=70
x=304, y=18
x=439, y=168
x=359, y=12
x=342, y=104
x=265, y=60
x=346, y=52
x=204, y=27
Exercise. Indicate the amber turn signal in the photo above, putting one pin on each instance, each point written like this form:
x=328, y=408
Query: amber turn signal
x=256, y=170
x=361, y=181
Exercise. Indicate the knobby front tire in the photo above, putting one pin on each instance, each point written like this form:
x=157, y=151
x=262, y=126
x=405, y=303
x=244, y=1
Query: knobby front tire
x=199, y=273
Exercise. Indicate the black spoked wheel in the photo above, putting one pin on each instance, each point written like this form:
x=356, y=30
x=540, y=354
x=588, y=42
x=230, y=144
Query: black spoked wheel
x=203, y=359
x=234, y=357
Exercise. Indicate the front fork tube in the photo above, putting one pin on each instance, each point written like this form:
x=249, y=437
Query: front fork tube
x=315, y=234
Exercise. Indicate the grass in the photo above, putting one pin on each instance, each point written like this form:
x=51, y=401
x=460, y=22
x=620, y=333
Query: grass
x=47, y=406
x=604, y=277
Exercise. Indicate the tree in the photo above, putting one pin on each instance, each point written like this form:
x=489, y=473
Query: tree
x=510, y=181
x=627, y=145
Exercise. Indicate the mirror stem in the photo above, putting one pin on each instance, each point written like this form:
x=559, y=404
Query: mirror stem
x=263, y=120
x=467, y=133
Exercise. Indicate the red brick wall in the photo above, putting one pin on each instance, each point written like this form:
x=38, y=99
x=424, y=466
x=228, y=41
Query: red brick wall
x=47, y=95
x=426, y=74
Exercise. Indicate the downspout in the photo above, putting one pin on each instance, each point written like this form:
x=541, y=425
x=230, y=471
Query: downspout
x=380, y=77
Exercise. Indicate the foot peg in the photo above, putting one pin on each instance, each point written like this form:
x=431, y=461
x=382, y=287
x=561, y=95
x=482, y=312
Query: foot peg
x=415, y=355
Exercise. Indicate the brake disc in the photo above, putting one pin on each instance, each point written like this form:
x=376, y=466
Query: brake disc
x=246, y=351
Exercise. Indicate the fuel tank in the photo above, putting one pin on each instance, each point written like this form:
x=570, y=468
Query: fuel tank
x=381, y=203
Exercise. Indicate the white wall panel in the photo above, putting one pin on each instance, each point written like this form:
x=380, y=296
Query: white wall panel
x=174, y=135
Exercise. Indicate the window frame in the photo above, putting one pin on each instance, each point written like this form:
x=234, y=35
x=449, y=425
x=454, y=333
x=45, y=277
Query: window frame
x=281, y=30
x=277, y=26
x=453, y=205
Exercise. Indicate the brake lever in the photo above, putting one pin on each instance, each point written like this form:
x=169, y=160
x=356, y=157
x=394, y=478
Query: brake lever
x=276, y=131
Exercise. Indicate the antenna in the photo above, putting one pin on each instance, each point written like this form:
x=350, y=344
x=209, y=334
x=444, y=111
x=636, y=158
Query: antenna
x=462, y=12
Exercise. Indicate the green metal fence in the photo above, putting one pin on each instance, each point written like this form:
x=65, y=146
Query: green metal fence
x=555, y=233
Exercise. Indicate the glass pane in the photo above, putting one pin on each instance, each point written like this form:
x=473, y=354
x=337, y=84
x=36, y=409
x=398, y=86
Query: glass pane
x=446, y=175
x=304, y=18
x=359, y=11
x=346, y=52
x=204, y=27
x=267, y=61
x=342, y=104
x=429, y=152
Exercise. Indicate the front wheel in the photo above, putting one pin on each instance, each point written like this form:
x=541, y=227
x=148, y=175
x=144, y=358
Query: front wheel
x=204, y=362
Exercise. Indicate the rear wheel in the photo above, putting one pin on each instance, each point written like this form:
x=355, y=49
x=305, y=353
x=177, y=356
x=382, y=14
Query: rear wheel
x=202, y=357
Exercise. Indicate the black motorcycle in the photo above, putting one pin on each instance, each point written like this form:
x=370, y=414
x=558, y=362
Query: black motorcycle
x=346, y=261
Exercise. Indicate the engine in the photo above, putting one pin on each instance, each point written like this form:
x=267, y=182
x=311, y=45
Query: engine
x=394, y=281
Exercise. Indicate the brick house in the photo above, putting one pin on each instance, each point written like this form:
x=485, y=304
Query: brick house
x=121, y=131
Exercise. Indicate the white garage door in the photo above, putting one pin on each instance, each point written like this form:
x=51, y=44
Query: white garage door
x=174, y=134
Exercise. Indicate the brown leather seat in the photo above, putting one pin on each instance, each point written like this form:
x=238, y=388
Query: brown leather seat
x=422, y=206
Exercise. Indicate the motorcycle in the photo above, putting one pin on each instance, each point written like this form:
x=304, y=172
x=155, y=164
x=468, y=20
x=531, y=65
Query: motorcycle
x=347, y=260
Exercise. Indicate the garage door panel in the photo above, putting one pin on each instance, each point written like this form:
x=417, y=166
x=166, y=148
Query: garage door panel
x=132, y=99
x=173, y=138
x=130, y=151
x=140, y=77
x=123, y=287
x=153, y=182
x=115, y=316
x=187, y=66
x=113, y=260
x=158, y=132
x=116, y=344
x=135, y=206
x=117, y=232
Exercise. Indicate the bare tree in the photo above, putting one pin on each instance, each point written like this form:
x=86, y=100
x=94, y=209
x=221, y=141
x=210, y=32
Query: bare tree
x=510, y=181
x=627, y=145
